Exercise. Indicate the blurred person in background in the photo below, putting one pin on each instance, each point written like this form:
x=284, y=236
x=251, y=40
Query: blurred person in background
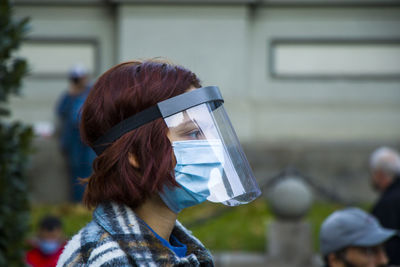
x=78, y=156
x=48, y=245
x=353, y=238
x=160, y=143
x=385, y=178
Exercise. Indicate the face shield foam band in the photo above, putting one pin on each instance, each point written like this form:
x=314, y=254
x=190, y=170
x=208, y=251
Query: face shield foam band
x=163, y=109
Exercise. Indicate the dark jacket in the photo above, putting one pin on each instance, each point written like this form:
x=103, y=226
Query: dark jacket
x=117, y=237
x=387, y=211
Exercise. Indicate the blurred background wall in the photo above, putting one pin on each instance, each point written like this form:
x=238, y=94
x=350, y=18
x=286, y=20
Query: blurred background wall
x=311, y=84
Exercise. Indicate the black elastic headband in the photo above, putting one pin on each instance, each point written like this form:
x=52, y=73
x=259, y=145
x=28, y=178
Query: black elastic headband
x=163, y=109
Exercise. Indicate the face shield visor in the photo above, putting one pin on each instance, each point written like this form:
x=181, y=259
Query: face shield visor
x=210, y=163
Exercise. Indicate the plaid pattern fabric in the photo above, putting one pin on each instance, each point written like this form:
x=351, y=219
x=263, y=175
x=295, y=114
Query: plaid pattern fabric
x=117, y=237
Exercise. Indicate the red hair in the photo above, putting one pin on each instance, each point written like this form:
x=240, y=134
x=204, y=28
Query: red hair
x=119, y=93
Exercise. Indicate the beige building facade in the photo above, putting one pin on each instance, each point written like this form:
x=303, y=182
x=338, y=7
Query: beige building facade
x=315, y=84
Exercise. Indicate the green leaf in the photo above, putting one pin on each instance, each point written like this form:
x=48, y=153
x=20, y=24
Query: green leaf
x=15, y=144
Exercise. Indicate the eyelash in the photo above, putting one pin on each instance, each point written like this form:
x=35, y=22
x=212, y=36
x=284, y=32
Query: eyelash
x=195, y=133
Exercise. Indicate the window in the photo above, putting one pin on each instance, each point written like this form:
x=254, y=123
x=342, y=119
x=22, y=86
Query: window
x=335, y=59
x=55, y=57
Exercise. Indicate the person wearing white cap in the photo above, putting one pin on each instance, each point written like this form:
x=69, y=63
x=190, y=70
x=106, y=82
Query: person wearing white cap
x=78, y=156
x=353, y=238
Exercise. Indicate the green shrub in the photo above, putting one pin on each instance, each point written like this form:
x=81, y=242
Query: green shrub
x=73, y=217
x=220, y=228
x=15, y=145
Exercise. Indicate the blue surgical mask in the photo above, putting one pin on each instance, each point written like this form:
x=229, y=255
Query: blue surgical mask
x=49, y=247
x=196, y=160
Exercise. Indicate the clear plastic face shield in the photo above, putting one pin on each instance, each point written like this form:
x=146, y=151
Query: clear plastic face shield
x=203, y=138
x=210, y=163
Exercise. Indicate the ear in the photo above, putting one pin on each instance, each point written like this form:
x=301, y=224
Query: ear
x=133, y=161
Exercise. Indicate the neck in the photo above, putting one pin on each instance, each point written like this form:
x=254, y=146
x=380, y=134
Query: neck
x=158, y=216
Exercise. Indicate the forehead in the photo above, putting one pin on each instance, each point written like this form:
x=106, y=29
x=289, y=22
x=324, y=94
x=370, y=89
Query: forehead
x=200, y=114
x=194, y=123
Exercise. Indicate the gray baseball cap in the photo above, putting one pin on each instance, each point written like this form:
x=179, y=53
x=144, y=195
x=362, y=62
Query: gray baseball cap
x=351, y=227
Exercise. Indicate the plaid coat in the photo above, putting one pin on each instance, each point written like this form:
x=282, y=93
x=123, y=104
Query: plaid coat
x=117, y=237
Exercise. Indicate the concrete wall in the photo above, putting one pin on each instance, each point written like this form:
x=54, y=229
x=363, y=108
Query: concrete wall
x=321, y=109
x=326, y=127
x=229, y=46
x=339, y=168
x=210, y=40
x=61, y=24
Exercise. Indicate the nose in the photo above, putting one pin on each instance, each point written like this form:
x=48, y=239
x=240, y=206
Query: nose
x=381, y=258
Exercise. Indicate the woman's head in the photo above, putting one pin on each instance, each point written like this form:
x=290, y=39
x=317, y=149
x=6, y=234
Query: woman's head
x=119, y=93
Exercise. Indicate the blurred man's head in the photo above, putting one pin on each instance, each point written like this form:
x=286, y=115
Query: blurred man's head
x=353, y=238
x=385, y=166
x=78, y=75
x=50, y=234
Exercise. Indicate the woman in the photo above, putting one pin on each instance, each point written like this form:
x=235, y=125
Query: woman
x=163, y=144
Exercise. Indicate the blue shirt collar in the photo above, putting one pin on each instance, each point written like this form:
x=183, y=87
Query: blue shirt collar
x=175, y=245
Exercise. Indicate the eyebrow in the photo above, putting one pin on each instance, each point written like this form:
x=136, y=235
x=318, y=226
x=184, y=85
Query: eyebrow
x=185, y=125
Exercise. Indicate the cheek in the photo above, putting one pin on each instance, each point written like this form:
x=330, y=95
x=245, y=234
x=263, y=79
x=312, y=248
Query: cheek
x=359, y=259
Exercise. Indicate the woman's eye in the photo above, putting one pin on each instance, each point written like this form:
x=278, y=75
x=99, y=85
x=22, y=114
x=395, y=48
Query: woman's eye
x=194, y=134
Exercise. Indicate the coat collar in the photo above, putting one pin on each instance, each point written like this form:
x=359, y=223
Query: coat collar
x=137, y=240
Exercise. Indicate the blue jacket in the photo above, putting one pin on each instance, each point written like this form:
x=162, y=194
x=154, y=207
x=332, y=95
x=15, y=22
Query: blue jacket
x=79, y=156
